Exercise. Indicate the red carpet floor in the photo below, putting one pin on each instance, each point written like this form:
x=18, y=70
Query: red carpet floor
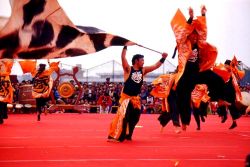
x=76, y=140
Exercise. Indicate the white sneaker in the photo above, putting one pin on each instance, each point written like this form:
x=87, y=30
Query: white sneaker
x=177, y=130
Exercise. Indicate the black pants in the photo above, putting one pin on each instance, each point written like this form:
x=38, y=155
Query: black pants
x=186, y=84
x=230, y=96
x=234, y=112
x=3, y=110
x=172, y=114
x=184, y=88
x=214, y=82
x=132, y=117
x=200, y=112
x=173, y=108
x=40, y=104
x=222, y=111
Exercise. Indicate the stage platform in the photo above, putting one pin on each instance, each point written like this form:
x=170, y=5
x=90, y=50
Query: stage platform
x=77, y=140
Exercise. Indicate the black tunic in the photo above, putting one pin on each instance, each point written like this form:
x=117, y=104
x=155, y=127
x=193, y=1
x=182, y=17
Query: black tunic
x=133, y=84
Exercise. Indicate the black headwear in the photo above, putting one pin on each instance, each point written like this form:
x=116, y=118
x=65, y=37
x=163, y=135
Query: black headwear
x=42, y=65
x=228, y=62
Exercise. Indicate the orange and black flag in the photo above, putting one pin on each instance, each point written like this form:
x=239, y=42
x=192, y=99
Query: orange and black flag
x=6, y=89
x=40, y=29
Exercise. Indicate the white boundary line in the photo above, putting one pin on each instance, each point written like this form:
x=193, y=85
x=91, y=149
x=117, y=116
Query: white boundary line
x=120, y=159
x=108, y=146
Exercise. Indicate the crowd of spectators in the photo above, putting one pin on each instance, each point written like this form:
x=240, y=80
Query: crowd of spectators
x=245, y=87
x=91, y=92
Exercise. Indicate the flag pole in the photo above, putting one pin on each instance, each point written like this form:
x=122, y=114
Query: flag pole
x=149, y=49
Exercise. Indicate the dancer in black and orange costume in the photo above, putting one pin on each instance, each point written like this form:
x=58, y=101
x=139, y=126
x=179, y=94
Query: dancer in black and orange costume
x=42, y=85
x=196, y=57
x=129, y=111
x=6, y=89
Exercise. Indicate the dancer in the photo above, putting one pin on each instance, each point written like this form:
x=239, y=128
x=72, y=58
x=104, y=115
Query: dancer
x=232, y=93
x=105, y=102
x=163, y=89
x=200, y=101
x=42, y=85
x=195, y=59
x=6, y=89
x=129, y=111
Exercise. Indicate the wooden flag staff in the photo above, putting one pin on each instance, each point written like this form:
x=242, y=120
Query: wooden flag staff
x=149, y=49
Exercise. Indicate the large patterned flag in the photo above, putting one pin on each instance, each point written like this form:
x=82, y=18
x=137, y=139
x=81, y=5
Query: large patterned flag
x=40, y=29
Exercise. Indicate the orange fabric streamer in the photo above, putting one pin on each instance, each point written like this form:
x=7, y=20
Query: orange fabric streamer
x=181, y=29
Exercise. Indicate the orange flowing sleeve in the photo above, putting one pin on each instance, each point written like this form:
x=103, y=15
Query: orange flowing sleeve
x=181, y=31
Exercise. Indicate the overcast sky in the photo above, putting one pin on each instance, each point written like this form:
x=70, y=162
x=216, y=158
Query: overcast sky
x=147, y=22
